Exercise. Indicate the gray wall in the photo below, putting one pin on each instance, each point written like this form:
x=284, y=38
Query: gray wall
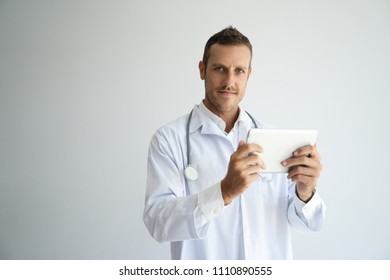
x=84, y=84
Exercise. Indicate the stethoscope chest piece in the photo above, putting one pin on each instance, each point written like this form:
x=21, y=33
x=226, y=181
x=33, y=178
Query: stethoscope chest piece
x=191, y=173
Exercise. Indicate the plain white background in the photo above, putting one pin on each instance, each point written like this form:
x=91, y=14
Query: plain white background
x=84, y=85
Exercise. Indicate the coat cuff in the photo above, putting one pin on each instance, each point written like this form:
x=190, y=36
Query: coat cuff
x=210, y=205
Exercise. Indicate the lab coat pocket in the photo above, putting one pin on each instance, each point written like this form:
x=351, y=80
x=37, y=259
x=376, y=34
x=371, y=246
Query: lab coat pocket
x=273, y=186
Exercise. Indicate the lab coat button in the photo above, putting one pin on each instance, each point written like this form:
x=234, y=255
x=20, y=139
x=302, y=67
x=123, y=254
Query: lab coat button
x=216, y=212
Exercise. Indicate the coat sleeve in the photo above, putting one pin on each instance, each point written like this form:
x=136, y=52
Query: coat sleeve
x=169, y=214
x=305, y=216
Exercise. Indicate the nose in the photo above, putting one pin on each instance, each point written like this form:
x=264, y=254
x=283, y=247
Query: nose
x=228, y=81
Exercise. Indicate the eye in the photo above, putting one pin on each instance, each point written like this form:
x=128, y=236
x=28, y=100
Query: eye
x=219, y=69
x=240, y=71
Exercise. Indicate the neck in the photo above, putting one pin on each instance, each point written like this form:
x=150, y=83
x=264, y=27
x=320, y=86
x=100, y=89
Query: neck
x=229, y=117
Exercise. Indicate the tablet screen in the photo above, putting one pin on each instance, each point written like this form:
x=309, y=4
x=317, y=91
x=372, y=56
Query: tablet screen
x=279, y=144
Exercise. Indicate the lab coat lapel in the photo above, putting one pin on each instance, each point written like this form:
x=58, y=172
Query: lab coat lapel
x=202, y=122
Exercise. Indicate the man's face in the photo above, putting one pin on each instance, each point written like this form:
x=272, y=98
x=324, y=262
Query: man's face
x=225, y=76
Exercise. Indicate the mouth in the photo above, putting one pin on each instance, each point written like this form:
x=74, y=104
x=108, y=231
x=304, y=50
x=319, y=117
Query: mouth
x=226, y=93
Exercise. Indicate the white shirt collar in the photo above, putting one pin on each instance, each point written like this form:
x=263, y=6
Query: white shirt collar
x=217, y=120
x=213, y=117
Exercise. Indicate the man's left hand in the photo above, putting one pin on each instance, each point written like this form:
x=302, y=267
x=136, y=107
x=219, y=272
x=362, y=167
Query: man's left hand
x=304, y=169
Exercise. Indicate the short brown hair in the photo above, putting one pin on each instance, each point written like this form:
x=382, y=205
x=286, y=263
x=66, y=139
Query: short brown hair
x=227, y=36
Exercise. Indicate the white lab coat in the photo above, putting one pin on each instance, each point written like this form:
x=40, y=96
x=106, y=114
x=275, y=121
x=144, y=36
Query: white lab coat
x=191, y=214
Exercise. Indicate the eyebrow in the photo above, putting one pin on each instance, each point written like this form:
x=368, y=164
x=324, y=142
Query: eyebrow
x=221, y=65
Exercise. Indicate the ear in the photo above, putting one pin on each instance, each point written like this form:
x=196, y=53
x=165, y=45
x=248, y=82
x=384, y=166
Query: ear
x=249, y=71
x=202, y=70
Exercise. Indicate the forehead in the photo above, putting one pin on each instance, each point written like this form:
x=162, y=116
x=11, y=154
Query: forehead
x=229, y=55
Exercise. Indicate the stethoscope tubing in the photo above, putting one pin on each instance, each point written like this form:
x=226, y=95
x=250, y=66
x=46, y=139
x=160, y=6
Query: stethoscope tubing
x=190, y=172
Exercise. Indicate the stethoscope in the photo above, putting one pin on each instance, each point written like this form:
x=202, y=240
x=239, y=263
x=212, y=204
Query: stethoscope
x=190, y=172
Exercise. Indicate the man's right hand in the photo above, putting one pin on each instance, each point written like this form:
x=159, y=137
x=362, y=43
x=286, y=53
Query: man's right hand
x=243, y=170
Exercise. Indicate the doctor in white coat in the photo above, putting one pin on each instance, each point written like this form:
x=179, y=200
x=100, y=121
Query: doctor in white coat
x=204, y=193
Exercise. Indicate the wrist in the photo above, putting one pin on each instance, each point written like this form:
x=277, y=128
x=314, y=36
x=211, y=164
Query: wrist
x=305, y=197
x=225, y=196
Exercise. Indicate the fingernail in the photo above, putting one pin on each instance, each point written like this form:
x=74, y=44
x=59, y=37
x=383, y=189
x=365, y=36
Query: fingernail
x=284, y=163
x=295, y=153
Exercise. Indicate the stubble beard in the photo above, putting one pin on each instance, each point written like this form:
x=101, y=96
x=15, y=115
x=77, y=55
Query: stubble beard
x=218, y=106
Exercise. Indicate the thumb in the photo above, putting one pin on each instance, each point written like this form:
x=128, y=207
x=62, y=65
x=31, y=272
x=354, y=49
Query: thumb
x=242, y=143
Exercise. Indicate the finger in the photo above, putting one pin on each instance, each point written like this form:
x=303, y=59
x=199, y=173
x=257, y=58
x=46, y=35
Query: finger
x=246, y=176
x=302, y=160
x=246, y=149
x=304, y=171
x=309, y=151
x=251, y=160
x=241, y=164
x=306, y=180
x=255, y=159
x=253, y=170
x=252, y=148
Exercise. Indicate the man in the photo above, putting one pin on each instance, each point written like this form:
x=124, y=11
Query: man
x=224, y=209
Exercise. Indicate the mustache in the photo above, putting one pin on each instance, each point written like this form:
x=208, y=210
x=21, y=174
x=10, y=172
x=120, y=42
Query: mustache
x=227, y=88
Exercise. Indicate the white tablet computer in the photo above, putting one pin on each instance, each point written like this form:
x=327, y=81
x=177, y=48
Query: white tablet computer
x=279, y=145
